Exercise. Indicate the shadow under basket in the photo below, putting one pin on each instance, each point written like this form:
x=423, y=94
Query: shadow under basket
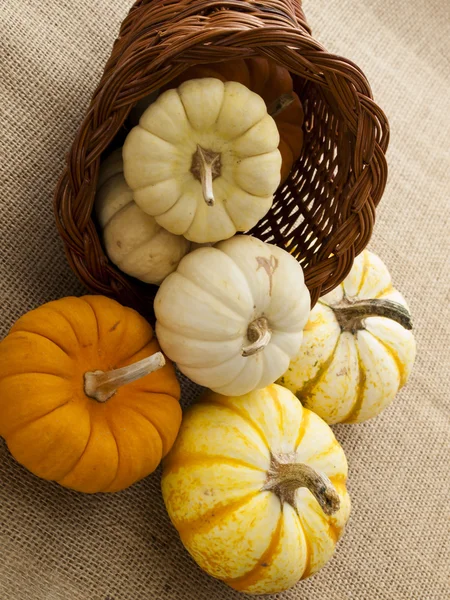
x=323, y=213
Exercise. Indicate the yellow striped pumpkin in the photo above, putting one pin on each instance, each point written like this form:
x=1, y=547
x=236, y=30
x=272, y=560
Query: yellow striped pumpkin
x=358, y=348
x=256, y=487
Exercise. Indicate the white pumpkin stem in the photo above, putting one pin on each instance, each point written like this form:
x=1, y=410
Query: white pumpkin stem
x=280, y=104
x=206, y=167
x=101, y=385
x=259, y=335
x=284, y=479
x=351, y=315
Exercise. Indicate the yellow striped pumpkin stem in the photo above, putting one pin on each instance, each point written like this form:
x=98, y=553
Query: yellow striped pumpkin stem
x=351, y=315
x=284, y=479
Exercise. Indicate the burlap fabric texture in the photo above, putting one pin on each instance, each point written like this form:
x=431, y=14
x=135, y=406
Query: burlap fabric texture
x=56, y=544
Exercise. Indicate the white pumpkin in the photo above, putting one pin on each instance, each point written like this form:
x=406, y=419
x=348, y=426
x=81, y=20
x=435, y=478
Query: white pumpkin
x=358, y=348
x=204, y=160
x=133, y=240
x=232, y=316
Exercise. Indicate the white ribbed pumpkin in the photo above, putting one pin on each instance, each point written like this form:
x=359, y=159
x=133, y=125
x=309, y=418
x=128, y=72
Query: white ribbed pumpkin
x=133, y=240
x=204, y=159
x=232, y=316
x=357, y=350
x=256, y=486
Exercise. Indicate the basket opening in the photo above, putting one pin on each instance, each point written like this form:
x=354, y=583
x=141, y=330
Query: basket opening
x=323, y=213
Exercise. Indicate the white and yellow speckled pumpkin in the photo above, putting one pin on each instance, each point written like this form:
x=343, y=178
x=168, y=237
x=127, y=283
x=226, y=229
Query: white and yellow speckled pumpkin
x=204, y=159
x=256, y=487
x=133, y=240
x=357, y=350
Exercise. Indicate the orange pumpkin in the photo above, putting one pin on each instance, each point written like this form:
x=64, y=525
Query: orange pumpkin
x=272, y=82
x=65, y=411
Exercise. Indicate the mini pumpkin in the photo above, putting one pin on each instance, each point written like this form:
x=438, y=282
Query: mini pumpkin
x=232, y=316
x=204, y=160
x=274, y=84
x=133, y=240
x=256, y=487
x=358, y=348
x=79, y=401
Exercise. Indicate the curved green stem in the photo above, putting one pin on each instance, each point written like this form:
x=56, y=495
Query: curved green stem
x=351, y=315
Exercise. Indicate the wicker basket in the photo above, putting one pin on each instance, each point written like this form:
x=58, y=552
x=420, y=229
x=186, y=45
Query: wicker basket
x=325, y=211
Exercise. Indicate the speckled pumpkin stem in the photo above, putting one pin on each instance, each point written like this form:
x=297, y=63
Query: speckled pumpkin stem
x=350, y=316
x=280, y=104
x=102, y=386
x=285, y=478
x=259, y=335
x=206, y=166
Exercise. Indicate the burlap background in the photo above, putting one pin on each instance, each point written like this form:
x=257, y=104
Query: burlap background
x=56, y=544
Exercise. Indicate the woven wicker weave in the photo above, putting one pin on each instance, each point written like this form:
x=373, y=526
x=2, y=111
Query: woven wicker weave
x=324, y=213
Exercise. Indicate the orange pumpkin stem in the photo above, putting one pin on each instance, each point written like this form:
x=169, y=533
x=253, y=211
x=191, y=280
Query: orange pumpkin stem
x=284, y=479
x=280, y=104
x=206, y=166
x=102, y=386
